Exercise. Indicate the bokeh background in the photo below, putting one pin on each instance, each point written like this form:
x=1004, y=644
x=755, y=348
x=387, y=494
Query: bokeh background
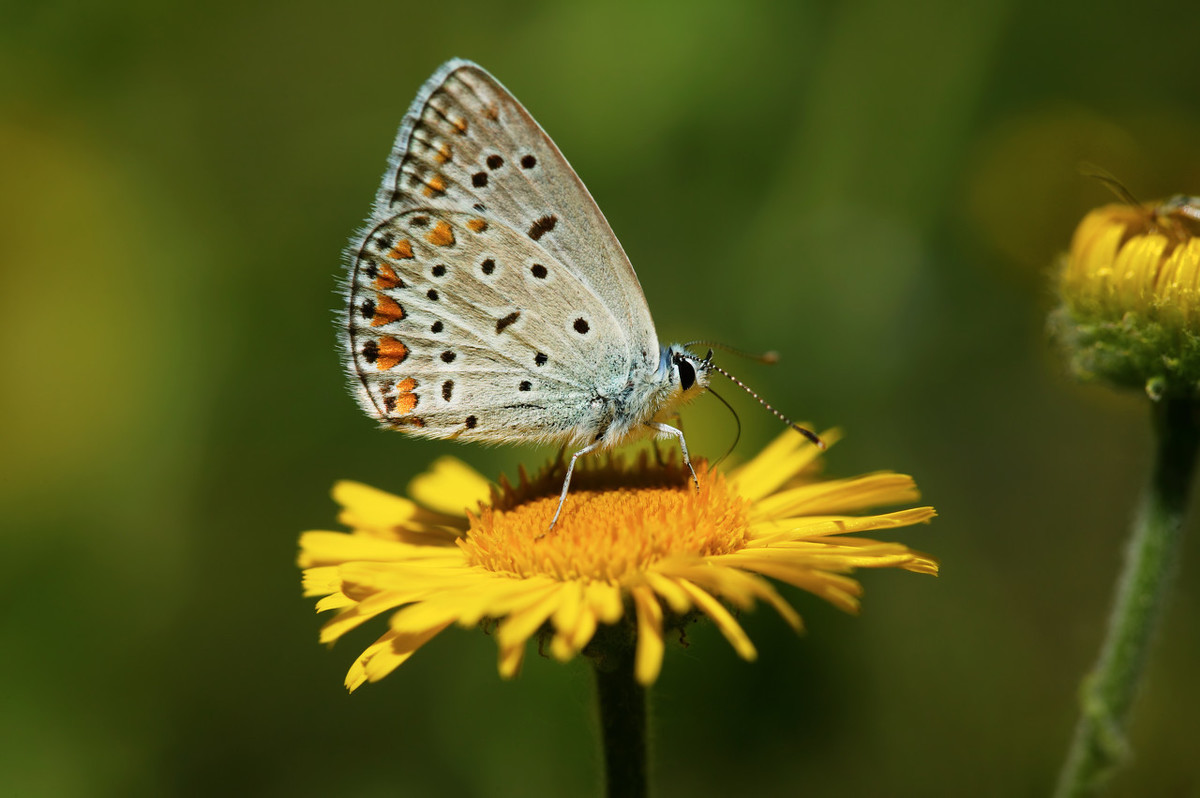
x=877, y=190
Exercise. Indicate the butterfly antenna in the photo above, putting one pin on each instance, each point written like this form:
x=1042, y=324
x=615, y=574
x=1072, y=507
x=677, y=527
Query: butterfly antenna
x=766, y=358
x=1110, y=180
x=812, y=436
x=737, y=420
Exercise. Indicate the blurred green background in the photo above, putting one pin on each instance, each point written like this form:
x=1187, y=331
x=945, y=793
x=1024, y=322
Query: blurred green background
x=875, y=189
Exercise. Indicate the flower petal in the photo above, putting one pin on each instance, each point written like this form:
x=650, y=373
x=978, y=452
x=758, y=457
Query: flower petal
x=675, y=596
x=735, y=585
x=386, y=515
x=734, y=633
x=585, y=628
x=786, y=529
x=841, y=591
x=566, y=620
x=777, y=464
x=510, y=660
x=522, y=623
x=649, y=657
x=450, y=486
x=319, y=548
x=386, y=654
x=605, y=600
x=839, y=496
x=321, y=581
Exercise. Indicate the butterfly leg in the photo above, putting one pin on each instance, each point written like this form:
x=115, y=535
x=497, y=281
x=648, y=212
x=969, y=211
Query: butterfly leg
x=667, y=429
x=567, y=481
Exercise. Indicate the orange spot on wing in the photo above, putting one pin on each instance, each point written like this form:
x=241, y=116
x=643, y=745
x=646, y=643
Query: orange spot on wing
x=391, y=353
x=387, y=310
x=387, y=277
x=435, y=185
x=460, y=125
x=402, y=250
x=406, y=400
x=443, y=153
x=441, y=235
x=490, y=112
x=478, y=225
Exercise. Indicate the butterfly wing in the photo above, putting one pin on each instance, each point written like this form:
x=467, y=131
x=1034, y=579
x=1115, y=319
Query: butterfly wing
x=487, y=297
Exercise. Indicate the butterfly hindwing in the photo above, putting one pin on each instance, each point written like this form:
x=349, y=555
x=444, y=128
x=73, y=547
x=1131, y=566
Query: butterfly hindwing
x=461, y=328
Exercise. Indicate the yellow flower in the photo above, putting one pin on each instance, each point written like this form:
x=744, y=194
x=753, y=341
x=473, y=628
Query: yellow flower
x=636, y=545
x=1130, y=289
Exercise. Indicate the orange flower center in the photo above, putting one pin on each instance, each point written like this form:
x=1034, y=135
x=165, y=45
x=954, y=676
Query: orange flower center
x=615, y=522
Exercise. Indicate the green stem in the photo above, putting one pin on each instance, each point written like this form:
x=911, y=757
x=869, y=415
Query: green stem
x=1107, y=693
x=622, y=703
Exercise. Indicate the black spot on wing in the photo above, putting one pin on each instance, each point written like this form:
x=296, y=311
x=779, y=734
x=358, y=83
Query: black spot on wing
x=542, y=226
x=501, y=324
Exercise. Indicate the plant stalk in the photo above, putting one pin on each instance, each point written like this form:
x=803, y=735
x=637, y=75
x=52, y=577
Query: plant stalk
x=622, y=704
x=1099, y=746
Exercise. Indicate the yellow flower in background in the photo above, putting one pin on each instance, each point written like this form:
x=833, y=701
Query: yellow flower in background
x=1130, y=290
x=637, y=544
x=1130, y=315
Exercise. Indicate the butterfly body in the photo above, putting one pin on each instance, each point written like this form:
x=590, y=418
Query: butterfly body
x=487, y=298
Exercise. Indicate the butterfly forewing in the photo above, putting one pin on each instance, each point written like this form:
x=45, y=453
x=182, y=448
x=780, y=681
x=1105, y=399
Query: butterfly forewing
x=487, y=292
x=466, y=142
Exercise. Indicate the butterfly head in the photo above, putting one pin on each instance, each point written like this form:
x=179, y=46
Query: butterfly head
x=687, y=371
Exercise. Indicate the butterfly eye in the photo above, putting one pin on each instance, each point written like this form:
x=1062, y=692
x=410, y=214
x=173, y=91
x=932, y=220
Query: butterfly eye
x=687, y=373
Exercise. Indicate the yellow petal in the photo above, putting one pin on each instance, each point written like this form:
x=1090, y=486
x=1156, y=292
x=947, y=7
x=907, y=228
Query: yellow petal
x=839, y=496
x=839, y=590
x=675, y=596
x=807, y=528
x=450, y=486
x=567, y=617
x=720, y=616
x=335, y=601
x=739, y=587
x=510, y=661
x=322, y=580
x=605, y=600
x=385, y=655
x=520, y=625
x=649, y=656
x=777, y=464
x=327, y=548
x=364, y=507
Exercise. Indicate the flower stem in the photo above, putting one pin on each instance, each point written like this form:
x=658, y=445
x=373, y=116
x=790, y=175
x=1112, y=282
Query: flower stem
x=1107, y=693
x=622, y=703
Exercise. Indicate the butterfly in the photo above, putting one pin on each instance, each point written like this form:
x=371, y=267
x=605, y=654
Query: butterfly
x=487, y=298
